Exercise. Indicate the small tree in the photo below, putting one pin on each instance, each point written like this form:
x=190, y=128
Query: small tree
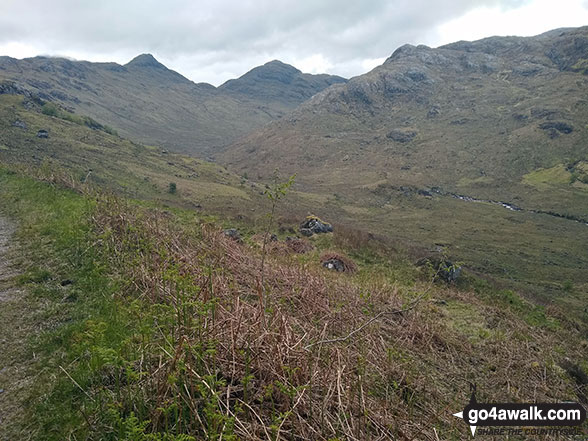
x=172, y=188
x=274, y=193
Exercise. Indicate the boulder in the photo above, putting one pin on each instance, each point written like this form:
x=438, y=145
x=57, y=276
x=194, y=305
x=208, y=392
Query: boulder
x=335, y=265
x=314, y=225
x=338, y=262
x=20, y=124
x=234, y=234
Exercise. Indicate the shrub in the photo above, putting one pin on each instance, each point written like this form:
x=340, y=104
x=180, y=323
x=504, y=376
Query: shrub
x=50, y=109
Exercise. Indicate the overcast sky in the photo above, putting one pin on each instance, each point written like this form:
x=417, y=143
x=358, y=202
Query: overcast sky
x=214, y=40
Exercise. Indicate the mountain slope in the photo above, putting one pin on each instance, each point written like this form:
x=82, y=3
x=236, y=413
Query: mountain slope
x=427, y=146
x=153, y=104
x=467, y=117
x=110, y=162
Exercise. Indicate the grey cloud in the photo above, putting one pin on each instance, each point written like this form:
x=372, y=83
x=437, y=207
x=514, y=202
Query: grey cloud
x=222, y=38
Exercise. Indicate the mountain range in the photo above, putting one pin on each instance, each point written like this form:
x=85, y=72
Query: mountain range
x=479, y=149
x=500, y=118
x=161, y=282
x=148, y=102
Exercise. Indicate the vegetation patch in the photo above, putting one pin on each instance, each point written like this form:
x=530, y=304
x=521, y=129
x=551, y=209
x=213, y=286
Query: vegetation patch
x=164, y=334
x=52, y=109
x=467, y=320
x=557, y=175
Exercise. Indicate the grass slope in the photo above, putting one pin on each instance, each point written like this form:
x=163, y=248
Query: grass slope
x=109, y=161
x=160, y=337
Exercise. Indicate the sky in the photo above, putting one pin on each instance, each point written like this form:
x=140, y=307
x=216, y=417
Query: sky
x=215, y=40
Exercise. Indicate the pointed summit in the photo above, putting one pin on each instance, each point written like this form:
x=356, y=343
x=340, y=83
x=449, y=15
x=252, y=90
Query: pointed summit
x=277, y=65
x=276, y=80
x=145, y=60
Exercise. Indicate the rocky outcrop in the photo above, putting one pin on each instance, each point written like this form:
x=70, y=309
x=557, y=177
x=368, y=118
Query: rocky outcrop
x=401, y=136
x=314, y=225
x=20, y=124
x=554, y=128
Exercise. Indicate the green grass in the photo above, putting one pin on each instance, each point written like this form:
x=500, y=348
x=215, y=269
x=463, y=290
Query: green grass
x=55, y=226
x=103, y=340
x=557, y=175
x=94, y=336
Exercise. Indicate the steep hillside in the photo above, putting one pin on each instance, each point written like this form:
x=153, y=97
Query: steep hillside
x=155, y=105
x=137, y=322
x=29, y=138
x=475, y=118
x=46, y=139
x=428, y=145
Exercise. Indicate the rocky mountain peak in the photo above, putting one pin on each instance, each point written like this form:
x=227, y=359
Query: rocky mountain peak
x=145, y=60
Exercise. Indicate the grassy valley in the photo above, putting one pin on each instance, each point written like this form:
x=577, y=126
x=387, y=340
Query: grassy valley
x=501, y=119
x=159, y=333
x=151, y=295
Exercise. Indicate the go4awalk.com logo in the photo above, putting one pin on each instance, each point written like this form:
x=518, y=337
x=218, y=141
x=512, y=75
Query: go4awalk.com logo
x=560, y=415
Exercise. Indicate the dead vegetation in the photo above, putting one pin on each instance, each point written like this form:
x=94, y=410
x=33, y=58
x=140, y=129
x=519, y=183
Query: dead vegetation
x=326, y=359
x=338, y=261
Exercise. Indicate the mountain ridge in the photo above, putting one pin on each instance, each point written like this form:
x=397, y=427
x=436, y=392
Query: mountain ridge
x=421, y=95
x=145, y=100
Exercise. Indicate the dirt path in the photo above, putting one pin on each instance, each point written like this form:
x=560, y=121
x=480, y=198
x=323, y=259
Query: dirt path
x=6, y=272
x=14, y=332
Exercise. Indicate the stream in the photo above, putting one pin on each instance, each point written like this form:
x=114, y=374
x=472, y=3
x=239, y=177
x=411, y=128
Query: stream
x=508, y=206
